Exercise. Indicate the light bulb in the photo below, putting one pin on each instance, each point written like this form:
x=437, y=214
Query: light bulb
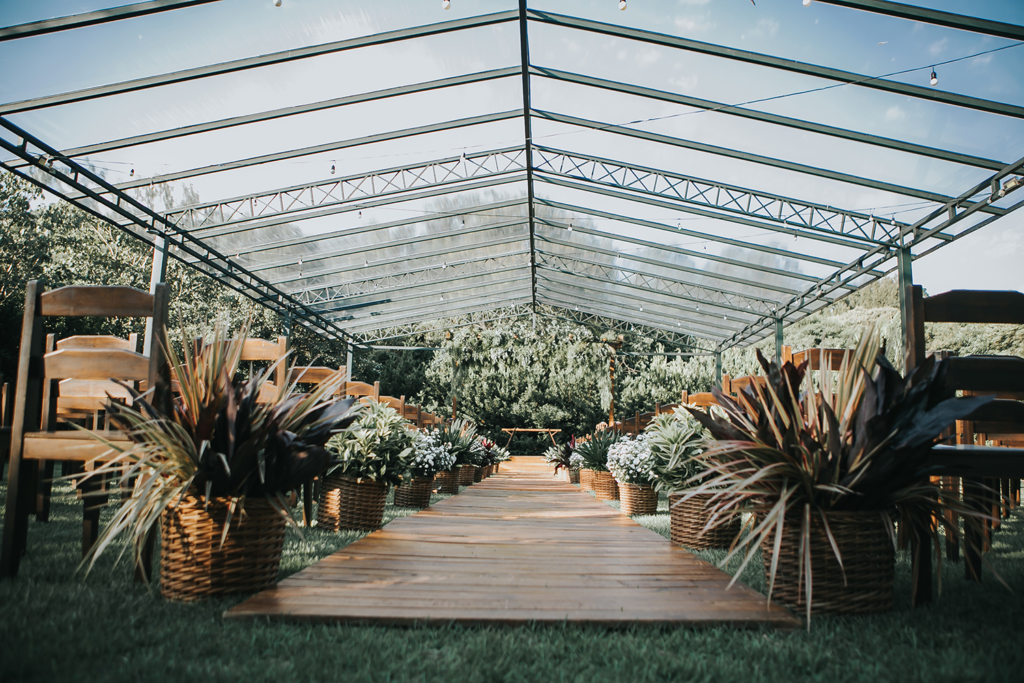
x=131, y=174
x=446, y=4
x=366, y=264
x=807, y=3
x=277, y=3
x=442, y=297
x=570, y=226
x=463, y=222
x=577, y=308
x=935, y=79
x=444, y=265
x=641, y=309
x=698, y=307
x=332, y=169
x=360, y=214
x=622, y=5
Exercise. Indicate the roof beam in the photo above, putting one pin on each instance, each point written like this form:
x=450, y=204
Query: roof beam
x=319, y=149
x=257, y=62
x=708, y=237
x=706, y=256
x=753, y=158
x=222, y=124
x=605, y=323
x=764, y=117
x=473, y=318
x=936, y=17
x=654, y=284
x=788, y=216
x=783, y=64
x=103, y=16
x=667, y=265
x=494, y=294
x=524, y=55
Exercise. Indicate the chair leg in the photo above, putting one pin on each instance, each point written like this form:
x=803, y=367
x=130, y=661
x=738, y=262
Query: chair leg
x=307, y=503
x=974, y=529
x=20, y=504
x=951, y=489
x=44, y=488
x=93, y=498
x=921, y=571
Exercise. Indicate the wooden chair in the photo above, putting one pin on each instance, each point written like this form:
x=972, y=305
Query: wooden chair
x=833, y=358
x=361, y=390
x=34, y=433
x=265, y=350
x=979, y=468
x=310, y=374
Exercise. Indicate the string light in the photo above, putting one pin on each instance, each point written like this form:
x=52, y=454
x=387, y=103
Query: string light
x=442, y=297
x=641, y=309
x=360, y=214
x=277, y=3
x=570, y=226
x=332, y=169
x=444, y=265
x=622, y=5
x=935, y=78
x=446, y=4
x=807, y=3
x=131, y=173
x=366, y=264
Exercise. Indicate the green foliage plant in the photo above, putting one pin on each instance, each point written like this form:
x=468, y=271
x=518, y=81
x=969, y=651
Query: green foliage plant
x=561, y=456
x=461, y=434
x=216, y=441
x=593, y=453
x=860, y=444
x=677, y=442
x=379, y=448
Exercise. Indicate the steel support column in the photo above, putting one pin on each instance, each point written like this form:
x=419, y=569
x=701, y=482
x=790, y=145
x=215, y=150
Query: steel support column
x=778, y=342
x=524, y=45
x=718, y=369
x=157, y=275
x=904, y=278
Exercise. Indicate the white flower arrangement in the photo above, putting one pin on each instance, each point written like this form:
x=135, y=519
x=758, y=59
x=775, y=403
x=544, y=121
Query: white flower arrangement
x=431, y=455
x=576, y=461
x=631, y=462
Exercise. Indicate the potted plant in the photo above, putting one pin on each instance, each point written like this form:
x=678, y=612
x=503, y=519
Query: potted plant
x=826, y=473
x=461, y=434
x=369, y=458
x=631, y=463
x=560, y=457
x=430, y=456
x=677, y=442
x=594, y=464
x=214, y=469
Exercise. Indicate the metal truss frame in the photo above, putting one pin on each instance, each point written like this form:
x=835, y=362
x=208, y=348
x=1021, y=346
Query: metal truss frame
x=451, y=323
x=391, y=283
x=640, y=308
x=188, y=233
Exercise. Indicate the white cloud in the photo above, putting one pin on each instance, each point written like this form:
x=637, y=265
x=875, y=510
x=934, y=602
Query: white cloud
x=683, y=83
x=938, y=47
x=895, y=114
x=693, y=24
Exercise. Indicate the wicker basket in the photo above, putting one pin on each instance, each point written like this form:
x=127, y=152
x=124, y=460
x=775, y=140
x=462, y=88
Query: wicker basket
x=587, y=479
x=467, y=474
x=605, y=487
x=194, y=564
x=868, y=559
x=574, y=476
x=688, y=519
x=415, y=493
x=637, y=500
x=489, y=470
x=348, y=504
x=478, y=474
x=447, y=482
x=497, y=467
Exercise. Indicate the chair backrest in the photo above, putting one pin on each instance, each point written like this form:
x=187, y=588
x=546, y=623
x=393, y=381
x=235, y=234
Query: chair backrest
x=78, y=398
x=254, y=349
x=1003, y=376
x=83, y=360
x=396, y=403
x=313, y=374
x=833, y=358
x=361, y=389
x=702, y=399
x=741, y=383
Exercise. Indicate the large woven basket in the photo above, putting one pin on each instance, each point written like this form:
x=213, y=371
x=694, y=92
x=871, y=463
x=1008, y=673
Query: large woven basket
x=478, y=473
x=194, y=564
x=447, y=482
x=637, y=500
x=605, y=487
x=868, y=559
x=688, y=519
x=348, y=504
x=574, y=476
x=497, y=467
x=467, y=473
x=415, y=493
x=587, y=479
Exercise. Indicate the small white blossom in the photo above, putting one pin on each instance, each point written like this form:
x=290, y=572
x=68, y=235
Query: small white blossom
x=431, y=455
x=631, y=461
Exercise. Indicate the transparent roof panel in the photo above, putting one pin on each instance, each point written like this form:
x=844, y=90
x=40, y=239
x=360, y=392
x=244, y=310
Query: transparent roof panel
x=696, y=168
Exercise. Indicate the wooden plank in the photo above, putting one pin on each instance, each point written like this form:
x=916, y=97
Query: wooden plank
x=259, y=349
x=91, y=388
x=96, y=364
x=975, y=306
x=95, y=341
x=90, y=300
x=977, y=461
x=314, y=374
x=986, y=373
x=517, y=547
x=67, y=446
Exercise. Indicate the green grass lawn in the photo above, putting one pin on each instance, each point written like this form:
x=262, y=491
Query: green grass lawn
x=56, y=625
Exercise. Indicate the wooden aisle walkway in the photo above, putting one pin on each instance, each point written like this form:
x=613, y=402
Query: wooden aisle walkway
x=517, y=547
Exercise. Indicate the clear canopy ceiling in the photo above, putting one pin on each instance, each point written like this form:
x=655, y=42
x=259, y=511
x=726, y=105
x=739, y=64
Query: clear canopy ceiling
x=697, y=170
